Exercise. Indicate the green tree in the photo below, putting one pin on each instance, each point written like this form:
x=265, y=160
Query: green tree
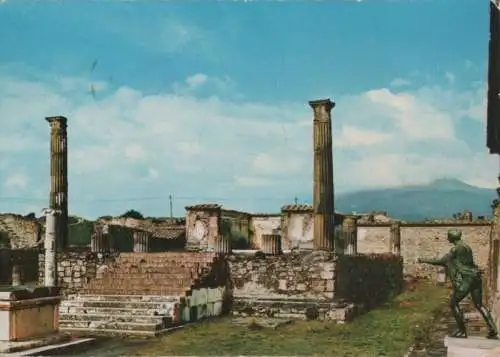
x=132, y=214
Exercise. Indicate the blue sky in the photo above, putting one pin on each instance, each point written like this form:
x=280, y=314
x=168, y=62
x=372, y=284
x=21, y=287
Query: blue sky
x=207, y=101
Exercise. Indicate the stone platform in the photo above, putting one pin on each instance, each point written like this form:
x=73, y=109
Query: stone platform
x=472, y=347
x=295, y=308
x=61, y=343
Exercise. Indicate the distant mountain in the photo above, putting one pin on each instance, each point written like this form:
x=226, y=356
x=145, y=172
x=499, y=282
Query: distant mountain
x=439, y=199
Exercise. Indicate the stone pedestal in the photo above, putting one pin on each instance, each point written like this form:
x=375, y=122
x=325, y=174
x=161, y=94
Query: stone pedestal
x=28, y=314
x=472, y=347
x=271, y=244
x=142, y=241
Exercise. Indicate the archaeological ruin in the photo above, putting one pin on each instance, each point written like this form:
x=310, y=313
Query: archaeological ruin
x=145, y=276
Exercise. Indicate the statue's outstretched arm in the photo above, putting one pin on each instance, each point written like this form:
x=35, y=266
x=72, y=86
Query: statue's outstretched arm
x=440, y=261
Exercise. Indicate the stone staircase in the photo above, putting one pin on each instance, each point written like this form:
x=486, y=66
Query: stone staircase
x=146, y=294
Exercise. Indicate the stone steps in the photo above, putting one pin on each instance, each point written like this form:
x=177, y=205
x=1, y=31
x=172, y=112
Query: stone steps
x=132, y=314
x=123, y=317
x=110, y=304
x=138, y=291
x=110, y=325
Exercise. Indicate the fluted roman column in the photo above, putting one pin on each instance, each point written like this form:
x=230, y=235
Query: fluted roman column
x=59, y=176
x=142, y=241
x=99, y=240
x=323, y=201
x=223, y=245
x=271, y=244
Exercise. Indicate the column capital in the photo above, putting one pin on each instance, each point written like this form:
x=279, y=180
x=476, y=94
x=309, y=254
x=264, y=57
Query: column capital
x=57, y=121
x=322, y=103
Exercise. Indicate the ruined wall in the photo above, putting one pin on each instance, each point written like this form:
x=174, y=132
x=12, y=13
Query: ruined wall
x=425, y=240
x=314, y=277
x=263, y=224
x=166, y=233
x=298, y=230
x=202, y=226
x=19, y=231
x=75, y=267
x=26, y=259
x=235, y=226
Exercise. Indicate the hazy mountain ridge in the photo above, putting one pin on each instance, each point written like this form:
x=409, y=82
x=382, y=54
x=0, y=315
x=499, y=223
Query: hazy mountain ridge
x=439, y=199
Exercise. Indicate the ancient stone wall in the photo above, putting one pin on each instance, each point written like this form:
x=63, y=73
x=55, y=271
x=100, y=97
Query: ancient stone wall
x=263, y=224
x=235, y=226
x=166, y=233
x=298, y=230
x=315, y=276
x=19, y=231
x=203, y=226
x=425, y=240
x=75, y=268
x=25, y=259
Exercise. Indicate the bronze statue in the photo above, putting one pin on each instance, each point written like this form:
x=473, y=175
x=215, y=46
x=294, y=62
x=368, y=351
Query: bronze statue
x=466, y=279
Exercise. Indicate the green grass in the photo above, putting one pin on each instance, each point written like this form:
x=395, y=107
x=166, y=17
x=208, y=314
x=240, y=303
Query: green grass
x=387, y=331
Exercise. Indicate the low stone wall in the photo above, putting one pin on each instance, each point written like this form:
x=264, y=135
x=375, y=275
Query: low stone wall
x=75, y=268
x=369, y=279
x=312, y=285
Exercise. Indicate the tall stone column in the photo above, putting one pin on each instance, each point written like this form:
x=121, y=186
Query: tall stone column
x=59, y=176
x=323, y=198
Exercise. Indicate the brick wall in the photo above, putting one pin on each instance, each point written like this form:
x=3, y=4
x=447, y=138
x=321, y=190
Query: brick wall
x=425, y=240
x=75, y=268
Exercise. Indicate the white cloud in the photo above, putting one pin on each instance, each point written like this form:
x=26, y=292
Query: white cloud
x=399, y=82
x=450, y=77
x=196, y=80
x=250, y=155
x=134, y=152
x=16, y=181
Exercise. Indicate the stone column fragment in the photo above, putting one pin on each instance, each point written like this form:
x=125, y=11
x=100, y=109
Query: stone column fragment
x=271, y=244
x=59, y=176
x=395, y=240
x=350, y=233
x=99, y=241
x=142, y=241
x=223, y=245
x=323, y=194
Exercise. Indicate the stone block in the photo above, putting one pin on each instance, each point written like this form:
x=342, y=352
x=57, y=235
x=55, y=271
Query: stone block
x=472, y=347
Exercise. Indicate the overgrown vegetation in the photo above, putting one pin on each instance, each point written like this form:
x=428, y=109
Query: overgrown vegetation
x=387, y=331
